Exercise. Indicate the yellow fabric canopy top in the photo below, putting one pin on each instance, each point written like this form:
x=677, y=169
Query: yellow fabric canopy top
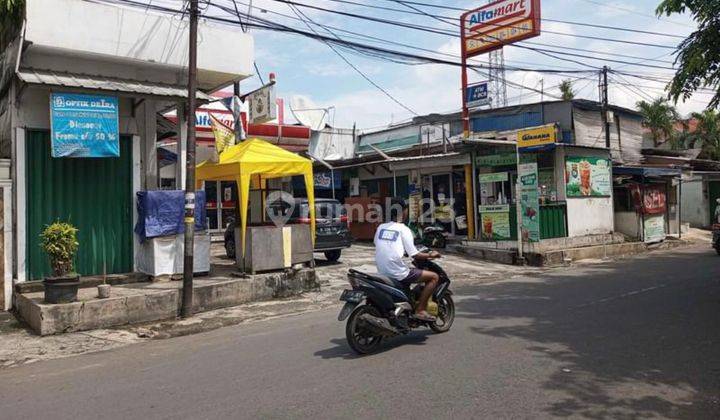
x=262, y=160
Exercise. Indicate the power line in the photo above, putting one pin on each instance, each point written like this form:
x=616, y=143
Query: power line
x=377, y=86
x=441, y=32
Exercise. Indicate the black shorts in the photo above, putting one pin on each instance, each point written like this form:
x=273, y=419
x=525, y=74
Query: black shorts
x=413, y=276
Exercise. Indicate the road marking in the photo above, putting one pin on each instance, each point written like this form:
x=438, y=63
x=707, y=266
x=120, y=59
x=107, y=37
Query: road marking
x=622, y=296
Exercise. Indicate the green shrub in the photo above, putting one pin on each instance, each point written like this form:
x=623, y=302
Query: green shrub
x=59, y=241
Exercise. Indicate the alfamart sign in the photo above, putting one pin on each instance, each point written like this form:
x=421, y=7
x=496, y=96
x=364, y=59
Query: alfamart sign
x=499, y=23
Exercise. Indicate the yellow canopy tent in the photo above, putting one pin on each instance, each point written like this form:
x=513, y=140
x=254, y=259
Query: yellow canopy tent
x=262, y=160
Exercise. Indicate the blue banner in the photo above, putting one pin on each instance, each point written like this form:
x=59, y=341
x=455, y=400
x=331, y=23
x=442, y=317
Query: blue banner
x=477, y=95
x=84, y=125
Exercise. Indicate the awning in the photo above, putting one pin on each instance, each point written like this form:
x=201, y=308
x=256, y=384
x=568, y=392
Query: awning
x=429, y=161
x=106, y=84
x=646, y=171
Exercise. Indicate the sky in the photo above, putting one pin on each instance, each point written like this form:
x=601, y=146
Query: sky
x=311, y=75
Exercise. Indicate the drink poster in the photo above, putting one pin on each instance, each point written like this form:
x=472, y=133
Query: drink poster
x=529, y=203
x=654, y=228
x=495, y=222
x=587, y=177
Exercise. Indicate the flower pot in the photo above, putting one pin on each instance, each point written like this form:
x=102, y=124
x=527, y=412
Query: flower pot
x=61, y=289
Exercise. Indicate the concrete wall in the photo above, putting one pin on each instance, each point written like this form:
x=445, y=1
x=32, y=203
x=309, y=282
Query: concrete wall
x=587, y=215
x=628, y=223
x=695, y=208
x=133, y=34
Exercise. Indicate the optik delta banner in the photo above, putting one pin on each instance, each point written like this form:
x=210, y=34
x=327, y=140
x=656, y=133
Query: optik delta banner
x=587, y=177
x=84, y=126
x=529, y=203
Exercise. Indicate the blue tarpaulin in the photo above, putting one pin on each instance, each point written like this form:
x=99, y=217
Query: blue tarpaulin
x=161, y=213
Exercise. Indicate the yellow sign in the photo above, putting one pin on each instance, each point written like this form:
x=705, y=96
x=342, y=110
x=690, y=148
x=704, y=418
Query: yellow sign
x=500, y=36
x=537, y=137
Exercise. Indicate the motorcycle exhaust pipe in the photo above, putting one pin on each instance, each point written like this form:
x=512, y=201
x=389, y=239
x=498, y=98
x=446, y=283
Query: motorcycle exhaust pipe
x=380, y=326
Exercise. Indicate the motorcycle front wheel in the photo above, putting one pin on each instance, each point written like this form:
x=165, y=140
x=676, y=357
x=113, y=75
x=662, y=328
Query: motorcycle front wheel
x=360, y=339
x=446, y=315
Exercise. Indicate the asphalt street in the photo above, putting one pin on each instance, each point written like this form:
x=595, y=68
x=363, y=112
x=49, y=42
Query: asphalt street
x=636, y=338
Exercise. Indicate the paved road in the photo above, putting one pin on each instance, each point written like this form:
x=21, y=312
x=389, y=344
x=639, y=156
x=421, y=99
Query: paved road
x=636, y=338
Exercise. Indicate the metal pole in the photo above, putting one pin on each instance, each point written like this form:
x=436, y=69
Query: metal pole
x=477, y=220
x=463, y=88
x=605, y=107
x=518, y=209
x=187, y=299
x=332, y=182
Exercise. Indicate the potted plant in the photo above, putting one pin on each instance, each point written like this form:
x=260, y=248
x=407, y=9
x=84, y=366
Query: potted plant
x=59, y=241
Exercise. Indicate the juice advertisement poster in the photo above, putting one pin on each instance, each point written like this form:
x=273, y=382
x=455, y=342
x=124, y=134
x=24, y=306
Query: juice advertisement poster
x=587, y=177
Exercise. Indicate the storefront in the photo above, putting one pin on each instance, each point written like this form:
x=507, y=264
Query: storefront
x=646, y=202
x=564, y=190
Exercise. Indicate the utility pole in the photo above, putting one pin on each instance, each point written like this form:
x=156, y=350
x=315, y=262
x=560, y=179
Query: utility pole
x=605, y=105
x=187, y=298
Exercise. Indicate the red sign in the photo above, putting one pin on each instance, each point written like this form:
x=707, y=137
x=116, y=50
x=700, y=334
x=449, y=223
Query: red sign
x=653, y=198
x=499, y=23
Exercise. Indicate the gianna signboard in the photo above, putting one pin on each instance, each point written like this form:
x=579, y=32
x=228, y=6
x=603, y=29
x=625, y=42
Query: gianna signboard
x=84, y=125
x=499, y=23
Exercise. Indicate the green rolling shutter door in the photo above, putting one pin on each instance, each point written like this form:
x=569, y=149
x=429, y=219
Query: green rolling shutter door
x=94, y=194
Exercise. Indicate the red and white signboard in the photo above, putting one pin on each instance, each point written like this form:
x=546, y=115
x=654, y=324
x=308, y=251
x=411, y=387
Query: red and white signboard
x=499, y=23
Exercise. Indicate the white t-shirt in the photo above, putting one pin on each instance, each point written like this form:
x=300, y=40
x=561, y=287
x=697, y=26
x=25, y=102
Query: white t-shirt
x=392, y=241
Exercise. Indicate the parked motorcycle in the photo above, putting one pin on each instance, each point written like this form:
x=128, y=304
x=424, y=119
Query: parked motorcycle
x=433, y=236
x=716, y=237
x=379, y=307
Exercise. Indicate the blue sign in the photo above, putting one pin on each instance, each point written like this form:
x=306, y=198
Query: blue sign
x=84, y=125
x=477, y=95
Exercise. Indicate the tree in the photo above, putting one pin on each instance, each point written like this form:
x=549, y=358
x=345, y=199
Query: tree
x=659, y=117
x=698, y=56
x=708, y=133
x=11, y=15
x=566, y=89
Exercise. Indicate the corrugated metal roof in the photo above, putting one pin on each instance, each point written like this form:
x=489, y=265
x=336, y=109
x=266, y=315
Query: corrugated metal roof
x=75, y=80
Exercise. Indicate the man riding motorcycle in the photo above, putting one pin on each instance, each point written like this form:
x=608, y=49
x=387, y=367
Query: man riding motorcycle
x=394, y=239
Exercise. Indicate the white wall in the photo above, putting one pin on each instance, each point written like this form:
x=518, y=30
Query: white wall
x=695, y=206
x=224, y=52
x=628, y=223
x=590, y=216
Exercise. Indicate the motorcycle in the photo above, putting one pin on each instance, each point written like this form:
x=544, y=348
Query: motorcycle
x=433, y=236
x=716, y=237
x=379, y=307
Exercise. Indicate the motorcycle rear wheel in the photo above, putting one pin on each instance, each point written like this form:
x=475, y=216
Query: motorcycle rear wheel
x=446, y=315
x=360, y=339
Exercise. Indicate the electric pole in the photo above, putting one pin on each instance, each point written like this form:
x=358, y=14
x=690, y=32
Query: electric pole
x=187, y=297
x=605, y=105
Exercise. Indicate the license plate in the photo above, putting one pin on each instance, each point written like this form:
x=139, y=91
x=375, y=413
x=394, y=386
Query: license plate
x=353, y=296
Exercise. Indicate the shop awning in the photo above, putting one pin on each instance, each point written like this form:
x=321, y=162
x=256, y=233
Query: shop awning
x=429, y=161
x=106, y=84
x=646, y=171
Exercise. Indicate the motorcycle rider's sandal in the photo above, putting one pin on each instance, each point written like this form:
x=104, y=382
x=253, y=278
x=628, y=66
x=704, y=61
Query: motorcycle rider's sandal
x=424, y=316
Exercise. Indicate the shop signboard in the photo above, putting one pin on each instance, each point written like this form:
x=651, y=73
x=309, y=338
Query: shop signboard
x=529, y=202
x=262, y=105
x=494, y=177
x=501, y=159
x=650, y=199
x=477, y=95
x=654, y=228
x=84, y=126
x=499, y=23
x=537, y=138
x=495, y=222
x=324, y=181
x=587, y=177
